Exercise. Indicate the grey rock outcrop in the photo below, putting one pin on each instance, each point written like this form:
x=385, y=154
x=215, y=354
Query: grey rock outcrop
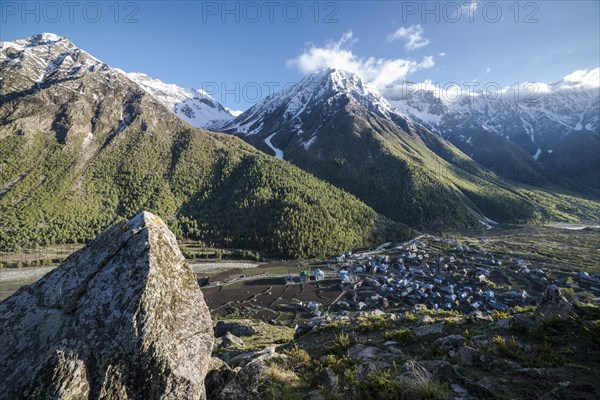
x=235, y=328
x=327, y=379
x=467, y=356
x=230, y=339
x=218, y=375
x=123, y=318
x=451, y=342
x=553, y=305
x=249, y=382
x=425, y=330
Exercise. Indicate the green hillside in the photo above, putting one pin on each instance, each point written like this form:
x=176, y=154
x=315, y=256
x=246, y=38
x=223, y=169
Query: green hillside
x=60, y=185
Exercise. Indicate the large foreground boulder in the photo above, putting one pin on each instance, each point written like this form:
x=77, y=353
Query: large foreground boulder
x=122, y=318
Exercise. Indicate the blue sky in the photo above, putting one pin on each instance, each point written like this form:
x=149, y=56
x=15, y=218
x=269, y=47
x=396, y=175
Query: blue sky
x=200, y=44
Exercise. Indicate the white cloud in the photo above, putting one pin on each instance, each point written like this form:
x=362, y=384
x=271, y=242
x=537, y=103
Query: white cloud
x=470, y=7
x=379, y=72
x=581, y=78
x=413, y=37
x=488, y=70
x=525, y=90
x=442, y=54
x=467, y=9
x=454, y=92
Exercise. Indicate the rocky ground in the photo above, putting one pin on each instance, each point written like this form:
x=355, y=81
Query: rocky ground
x=547, y=352
x=544, y=347
x=329, y=339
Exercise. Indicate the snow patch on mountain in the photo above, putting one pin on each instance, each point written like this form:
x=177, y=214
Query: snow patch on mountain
x=235, y=113
x=278, y=152
x=195, y=106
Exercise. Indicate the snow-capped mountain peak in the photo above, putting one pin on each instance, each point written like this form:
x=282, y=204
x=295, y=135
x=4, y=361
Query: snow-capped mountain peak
x=195, y=106
x=47, y=57
x=306, y=112
x=324, y=88
x=37, y=58
x=351, y=84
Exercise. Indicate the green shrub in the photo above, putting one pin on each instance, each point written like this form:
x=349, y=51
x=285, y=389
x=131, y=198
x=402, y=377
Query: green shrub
x=373, y=323
x=382, y=385
x=508, y=348
x=417, y=384
x=410, y=317
x=334, y=325
x=403, y=336
x=340, y=345
x=297, y=358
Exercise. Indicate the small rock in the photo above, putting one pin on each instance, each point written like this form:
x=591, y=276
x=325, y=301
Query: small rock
x=446, y=372
x=522, y=320
x=503, y=323
x=478, y=316
x=218, y=375
x=244, y=358
x=552, y=306
x=502, y=363
x=451, y=342
x=429, y=329
x=534, y=373
x=248, y=382
x=235, y=328
x=363, y=353
x=459, y=390
x=426, y=320
x=467, y=356
x=455, y=320
x=326, y=378
x=480, y=340
x=231, y=340
x=365, y=369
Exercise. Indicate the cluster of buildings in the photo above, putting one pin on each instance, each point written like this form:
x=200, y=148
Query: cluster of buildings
x=420, y=275
x=412, y=276
x=305, y=277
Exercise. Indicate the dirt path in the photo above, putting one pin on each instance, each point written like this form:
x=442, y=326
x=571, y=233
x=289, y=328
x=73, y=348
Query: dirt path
x=200, y=267
x=13, y=279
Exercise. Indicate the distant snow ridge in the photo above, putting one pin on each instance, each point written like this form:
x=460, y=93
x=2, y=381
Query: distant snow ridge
x=531, y=109
x=320, y=88
x=195, y=106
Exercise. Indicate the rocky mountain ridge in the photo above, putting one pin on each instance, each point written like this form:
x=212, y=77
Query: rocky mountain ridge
x=337, y=127
x=86, y=146
x=194, y=106
x=557, y=125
